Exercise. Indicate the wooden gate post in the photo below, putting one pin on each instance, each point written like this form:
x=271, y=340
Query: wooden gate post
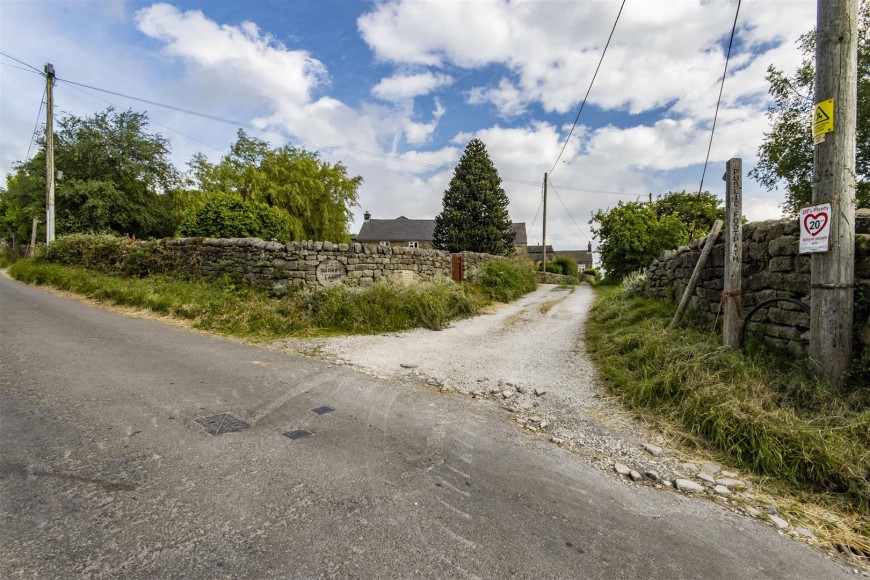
x=731, y=300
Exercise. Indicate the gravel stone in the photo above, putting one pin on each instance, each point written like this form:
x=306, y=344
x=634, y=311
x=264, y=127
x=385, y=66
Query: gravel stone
x=507, y=394
x=539, y=392
x=711, y=468
x=722, y=490
x=687, y=485
x=651, y=475
x=653, y=450
x=621, y=469
x=406, y=365
x=780, y=523
x=706, y=478
x=731, y=483
x=690, y=467
x=805, y=533
x=635, y=476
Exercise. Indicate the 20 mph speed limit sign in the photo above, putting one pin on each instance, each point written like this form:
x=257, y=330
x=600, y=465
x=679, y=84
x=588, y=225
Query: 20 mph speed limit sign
x=815, y=224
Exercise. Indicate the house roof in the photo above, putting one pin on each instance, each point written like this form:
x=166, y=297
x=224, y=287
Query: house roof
x=579, y=256
x=404, y=229
x=537, y=249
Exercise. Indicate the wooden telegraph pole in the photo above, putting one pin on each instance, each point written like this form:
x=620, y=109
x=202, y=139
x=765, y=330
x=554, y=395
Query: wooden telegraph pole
x=833, y=272
x=731, y=300
x=49, y=153
x=544, y=245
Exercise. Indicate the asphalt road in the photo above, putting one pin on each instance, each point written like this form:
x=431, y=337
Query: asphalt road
x=104, y=472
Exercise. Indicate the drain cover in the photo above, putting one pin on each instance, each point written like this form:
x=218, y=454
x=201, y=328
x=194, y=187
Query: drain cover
x=323, y=410
x=223, y=423
x=298, y=434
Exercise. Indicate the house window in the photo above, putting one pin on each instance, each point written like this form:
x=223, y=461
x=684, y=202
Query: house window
x=387, y=244
x=413, y=244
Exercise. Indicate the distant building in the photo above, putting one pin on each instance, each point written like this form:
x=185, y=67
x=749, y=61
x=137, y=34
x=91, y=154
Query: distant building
x=534, y=253
x=583, y=258
x=409, y=233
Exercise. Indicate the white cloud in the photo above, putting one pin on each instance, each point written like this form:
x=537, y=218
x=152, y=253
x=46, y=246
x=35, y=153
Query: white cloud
x=404, y=87
x=236, y=57
x=506, y=97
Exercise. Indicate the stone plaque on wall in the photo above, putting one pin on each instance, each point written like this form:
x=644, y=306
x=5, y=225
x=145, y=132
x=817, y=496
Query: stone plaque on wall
x=331, y=272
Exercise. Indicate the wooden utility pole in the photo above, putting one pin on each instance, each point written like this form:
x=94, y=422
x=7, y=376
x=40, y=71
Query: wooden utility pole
x=544, y=245
x=731, y=300
x=31, y=250
x=49, y=153
x=833, y=272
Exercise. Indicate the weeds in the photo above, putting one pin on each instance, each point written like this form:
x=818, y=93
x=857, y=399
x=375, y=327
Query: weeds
x=766, y=412
x=232, y=308
x=506, y=280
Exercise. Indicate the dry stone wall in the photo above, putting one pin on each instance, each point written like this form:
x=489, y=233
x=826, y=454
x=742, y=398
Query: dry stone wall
x=772, y=267
x=275, y=266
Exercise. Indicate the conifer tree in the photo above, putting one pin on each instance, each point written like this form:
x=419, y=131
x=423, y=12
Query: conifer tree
x=475, y=207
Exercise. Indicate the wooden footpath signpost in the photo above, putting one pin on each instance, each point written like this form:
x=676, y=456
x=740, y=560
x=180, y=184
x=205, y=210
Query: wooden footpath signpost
x=731, y=300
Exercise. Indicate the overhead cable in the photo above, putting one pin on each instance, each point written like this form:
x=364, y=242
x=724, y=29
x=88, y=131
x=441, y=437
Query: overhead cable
x=583, y=104
x=719, y=101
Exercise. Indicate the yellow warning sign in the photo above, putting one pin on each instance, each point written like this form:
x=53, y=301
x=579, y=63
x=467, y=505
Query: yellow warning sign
x=823, y=118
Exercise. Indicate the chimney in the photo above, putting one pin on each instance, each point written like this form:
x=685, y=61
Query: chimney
x=367, y=216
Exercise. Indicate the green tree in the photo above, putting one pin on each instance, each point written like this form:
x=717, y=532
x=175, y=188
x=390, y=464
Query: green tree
x=786, y=154
x=317, y=197
x=696, y=211
x=632, y=236
x=114, y=172
x=475, y=207
x=226, y=215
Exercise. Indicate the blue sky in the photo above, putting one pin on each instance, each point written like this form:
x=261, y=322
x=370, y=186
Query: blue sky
x=395, y=89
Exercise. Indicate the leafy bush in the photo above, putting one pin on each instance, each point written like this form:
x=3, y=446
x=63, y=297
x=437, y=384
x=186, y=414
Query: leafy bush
x=567, y=266
x=229, y=216
x=506, y=280
x=109, y=254
x=554, y=268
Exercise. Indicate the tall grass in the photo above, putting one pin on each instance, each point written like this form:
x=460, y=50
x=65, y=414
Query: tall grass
x=506, y=280
x=765, y=412
x=234, y=309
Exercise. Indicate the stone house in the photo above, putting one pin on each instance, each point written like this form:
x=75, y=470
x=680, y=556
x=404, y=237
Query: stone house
x=582, y=257
x=410, y=233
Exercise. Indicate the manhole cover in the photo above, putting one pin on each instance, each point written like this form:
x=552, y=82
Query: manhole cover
x=323, y=410
x=298, y=434
x=223, y=423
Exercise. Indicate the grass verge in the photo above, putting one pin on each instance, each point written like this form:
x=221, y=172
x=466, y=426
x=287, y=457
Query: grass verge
x=234, y=309
x=762, y=412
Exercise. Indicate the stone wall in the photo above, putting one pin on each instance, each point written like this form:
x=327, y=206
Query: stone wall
x=772, y=267
x=275, y=266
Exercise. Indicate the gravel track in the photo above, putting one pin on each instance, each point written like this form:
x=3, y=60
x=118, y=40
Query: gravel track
x=529, y=356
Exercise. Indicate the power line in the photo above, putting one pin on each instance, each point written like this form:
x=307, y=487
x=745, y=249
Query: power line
x=151, y=120
x=36, y=127
x=559, y=197
x=384, y=156
x=719, y=101
x=583, y=104
x=19, y=68
x=19, y=61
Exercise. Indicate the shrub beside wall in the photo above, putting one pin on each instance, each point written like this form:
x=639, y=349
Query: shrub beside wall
x=772, y=267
